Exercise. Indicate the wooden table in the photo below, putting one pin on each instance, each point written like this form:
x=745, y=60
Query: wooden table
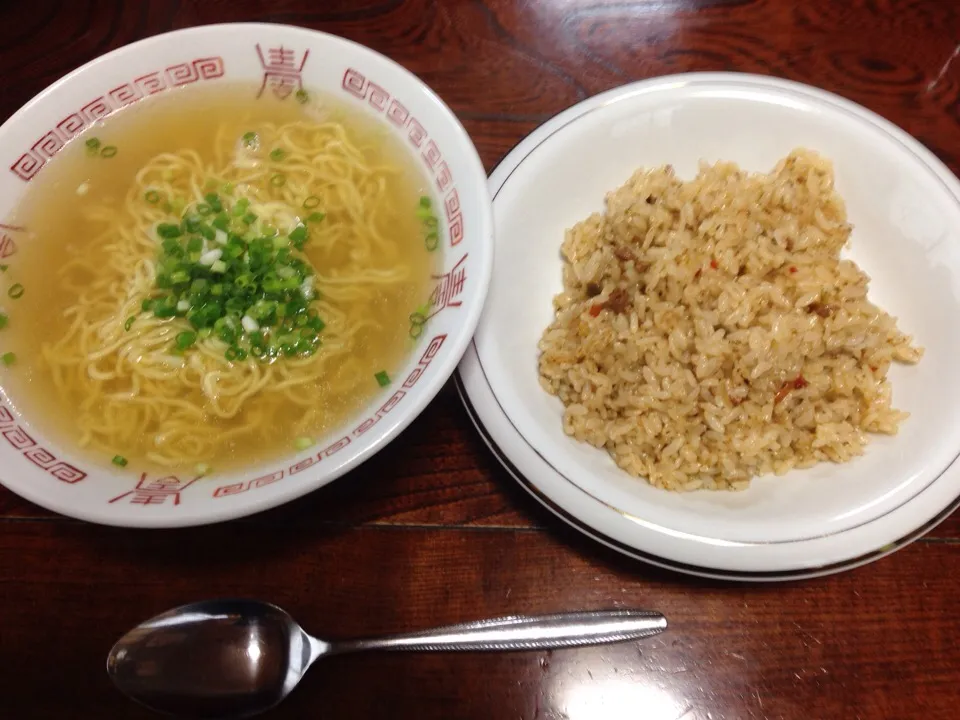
x=432, y=530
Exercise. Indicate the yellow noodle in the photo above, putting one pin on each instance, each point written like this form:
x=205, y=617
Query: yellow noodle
x=130, y=394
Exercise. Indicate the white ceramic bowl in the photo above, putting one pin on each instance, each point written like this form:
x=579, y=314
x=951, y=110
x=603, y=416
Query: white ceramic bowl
x=277, y=59
x=904, y=205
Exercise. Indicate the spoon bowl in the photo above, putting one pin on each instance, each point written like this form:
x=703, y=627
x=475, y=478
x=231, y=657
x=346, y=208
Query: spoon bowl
x=238, y=658
x=230, y=658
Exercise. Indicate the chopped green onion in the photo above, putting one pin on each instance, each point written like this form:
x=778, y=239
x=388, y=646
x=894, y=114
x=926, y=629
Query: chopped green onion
x=301, y=96
x=244, y=281
x=3, y=321
x=109, y=151
x=204, y=209
x=8, y=359
x=382, y=378
x=236, y=280
x=186, y=340
x=311, y=202
x=240, y=207
x=298, y=234
x=93, y=143
x=15, y=291
x=303, y=443
x=418, y=319
x=250, y=139
x=214, y=201
x=277, y=154
x=315, y=217
x=152, y=197
x=165, y=311
x=425, y=214
x=119, y=461
x=129, y=323
x=228, y=188
x=3, y=268
x=278, y=180
x=168, y=230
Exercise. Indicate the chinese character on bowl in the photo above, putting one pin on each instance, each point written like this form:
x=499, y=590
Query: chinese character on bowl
x=281, y=71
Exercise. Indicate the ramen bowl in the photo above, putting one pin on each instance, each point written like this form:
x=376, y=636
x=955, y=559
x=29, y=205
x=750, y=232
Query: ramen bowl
x=279, y=64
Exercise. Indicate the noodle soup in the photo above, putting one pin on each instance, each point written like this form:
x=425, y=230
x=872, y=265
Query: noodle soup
x=212, y=281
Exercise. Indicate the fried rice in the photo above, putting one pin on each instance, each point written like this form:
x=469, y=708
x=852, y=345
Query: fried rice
x=709, y=331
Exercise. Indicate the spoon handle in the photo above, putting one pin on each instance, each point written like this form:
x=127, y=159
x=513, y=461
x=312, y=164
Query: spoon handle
x=542, y=632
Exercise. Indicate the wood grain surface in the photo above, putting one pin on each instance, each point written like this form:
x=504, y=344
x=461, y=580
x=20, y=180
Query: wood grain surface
x=432, y=530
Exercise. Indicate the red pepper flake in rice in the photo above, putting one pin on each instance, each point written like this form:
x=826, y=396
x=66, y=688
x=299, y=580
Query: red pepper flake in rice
x=797, y=383
x=782, y=393
x=713, y=263
x=793, y=268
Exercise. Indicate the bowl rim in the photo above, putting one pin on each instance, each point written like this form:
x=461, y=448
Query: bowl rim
x=205, y=513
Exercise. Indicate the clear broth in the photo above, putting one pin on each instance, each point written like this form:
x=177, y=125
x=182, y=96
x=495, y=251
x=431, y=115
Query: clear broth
x=52, y=211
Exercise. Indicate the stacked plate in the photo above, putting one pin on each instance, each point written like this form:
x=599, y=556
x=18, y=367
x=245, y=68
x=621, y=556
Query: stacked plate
x=904, y=205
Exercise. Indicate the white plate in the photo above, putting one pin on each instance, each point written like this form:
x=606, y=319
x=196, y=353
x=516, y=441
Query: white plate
x=905, y=208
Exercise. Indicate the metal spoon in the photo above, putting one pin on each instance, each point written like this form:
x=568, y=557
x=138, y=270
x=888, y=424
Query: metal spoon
x=237, y=658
